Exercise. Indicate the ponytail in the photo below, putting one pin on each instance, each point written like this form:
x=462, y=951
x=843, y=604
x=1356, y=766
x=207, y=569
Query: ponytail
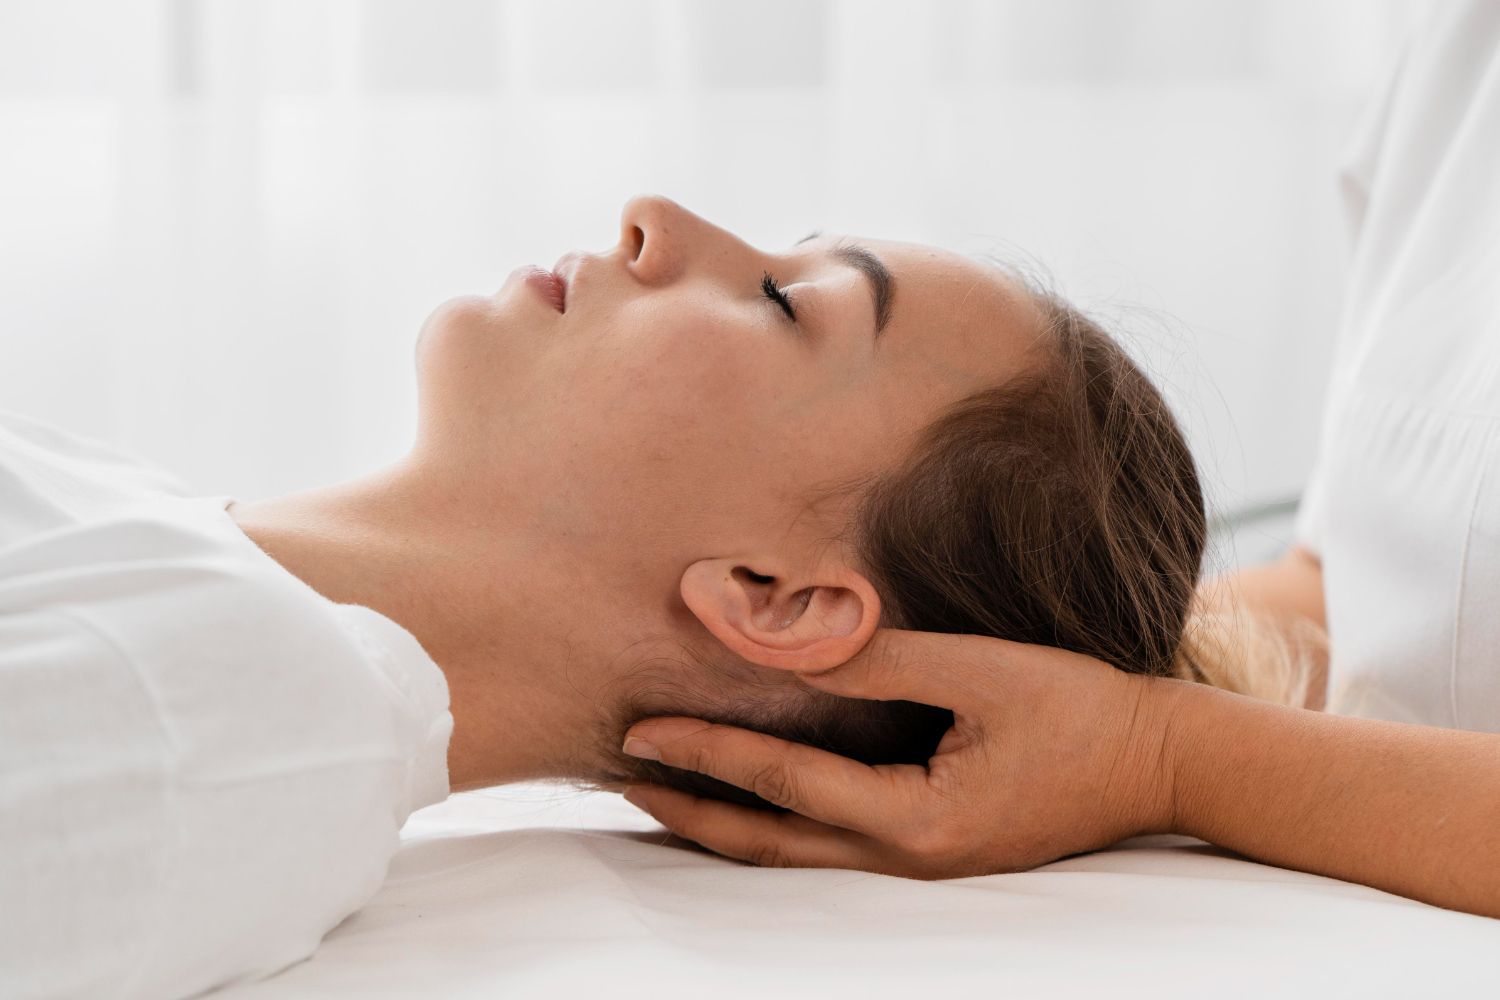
x=1251, y=654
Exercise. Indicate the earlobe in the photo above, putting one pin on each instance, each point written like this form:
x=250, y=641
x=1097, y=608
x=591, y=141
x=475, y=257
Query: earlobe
x=775, y=620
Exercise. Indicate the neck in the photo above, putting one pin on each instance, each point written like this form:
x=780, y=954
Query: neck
x=496, y=609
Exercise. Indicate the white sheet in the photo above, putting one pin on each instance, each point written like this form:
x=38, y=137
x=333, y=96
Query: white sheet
x=531, y=891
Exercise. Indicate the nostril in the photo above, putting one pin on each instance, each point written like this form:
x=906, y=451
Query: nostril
x=637, y=242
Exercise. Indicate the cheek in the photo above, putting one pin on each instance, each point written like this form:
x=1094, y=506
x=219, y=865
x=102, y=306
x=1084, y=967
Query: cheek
x=668, y=374
x=686, y=408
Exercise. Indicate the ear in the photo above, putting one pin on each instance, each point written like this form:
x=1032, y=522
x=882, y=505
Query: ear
x=775, y=620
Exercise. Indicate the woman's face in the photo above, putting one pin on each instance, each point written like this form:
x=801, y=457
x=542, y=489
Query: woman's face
x=672, y=408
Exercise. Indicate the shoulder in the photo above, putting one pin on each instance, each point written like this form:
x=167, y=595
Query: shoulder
x=27, y=442
x=202, y=619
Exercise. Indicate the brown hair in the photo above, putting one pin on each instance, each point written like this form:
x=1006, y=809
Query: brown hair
x=1062, y=507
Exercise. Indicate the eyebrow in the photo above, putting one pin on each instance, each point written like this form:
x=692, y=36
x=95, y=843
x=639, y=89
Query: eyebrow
x=882, y=285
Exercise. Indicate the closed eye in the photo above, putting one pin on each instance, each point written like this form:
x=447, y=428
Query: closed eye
x=776, y=295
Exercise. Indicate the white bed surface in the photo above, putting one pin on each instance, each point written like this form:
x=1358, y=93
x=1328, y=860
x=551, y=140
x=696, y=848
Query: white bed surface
x=536, y=890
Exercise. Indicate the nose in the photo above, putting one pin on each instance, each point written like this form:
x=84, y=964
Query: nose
x=651, y=231
x=659, y=237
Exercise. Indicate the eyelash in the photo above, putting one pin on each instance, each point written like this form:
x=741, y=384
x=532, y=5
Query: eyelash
x=776, y=295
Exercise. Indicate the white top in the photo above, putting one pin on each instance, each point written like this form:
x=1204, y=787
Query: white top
x=1404, y=503
x=204, y=763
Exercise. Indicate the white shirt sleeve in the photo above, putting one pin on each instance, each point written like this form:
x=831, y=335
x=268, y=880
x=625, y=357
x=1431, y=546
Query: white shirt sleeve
x=1358, y=162
x=167, y=828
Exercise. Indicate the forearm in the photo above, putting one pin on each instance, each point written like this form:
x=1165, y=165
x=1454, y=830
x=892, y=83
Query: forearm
x=1413, y=810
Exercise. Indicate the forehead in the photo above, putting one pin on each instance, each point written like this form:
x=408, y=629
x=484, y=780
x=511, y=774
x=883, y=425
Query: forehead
x=954, y=320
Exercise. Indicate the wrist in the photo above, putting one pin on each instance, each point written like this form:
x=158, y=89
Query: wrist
x=1203, y=726
x=1169, y=707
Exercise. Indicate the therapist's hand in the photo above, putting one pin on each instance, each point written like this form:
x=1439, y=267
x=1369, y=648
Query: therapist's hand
x=1051, y=754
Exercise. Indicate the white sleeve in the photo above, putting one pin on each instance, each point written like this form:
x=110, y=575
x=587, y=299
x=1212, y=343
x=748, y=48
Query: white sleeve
x=134, y=863
x=1354, y=177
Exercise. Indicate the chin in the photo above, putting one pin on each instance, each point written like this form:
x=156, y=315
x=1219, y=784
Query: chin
x=459, y=312
x=466, y=332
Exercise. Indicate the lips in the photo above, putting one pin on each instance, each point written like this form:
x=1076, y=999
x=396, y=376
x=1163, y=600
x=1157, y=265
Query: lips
x=565, y=270
x=548, y=285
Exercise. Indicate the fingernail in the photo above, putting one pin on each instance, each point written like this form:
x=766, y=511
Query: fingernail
x=637, y=747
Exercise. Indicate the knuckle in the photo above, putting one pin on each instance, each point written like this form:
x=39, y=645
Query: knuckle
x=768, y=854
x=698, y=756
x=882, y=645
x=894, y=664
x=774, y=782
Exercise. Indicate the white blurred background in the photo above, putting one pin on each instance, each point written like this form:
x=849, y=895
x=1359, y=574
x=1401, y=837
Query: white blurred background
x=222, y=223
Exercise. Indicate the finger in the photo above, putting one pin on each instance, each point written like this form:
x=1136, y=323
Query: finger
x=771, y=840
x=934, y=668
x=820, y=785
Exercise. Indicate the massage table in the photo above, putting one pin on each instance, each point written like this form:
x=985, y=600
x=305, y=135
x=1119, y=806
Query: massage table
x=545, y=891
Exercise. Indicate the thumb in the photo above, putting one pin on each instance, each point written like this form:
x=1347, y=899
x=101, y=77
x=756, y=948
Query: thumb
x=933, y=668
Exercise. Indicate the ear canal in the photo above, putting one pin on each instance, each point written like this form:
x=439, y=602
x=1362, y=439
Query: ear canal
x=752, y=576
